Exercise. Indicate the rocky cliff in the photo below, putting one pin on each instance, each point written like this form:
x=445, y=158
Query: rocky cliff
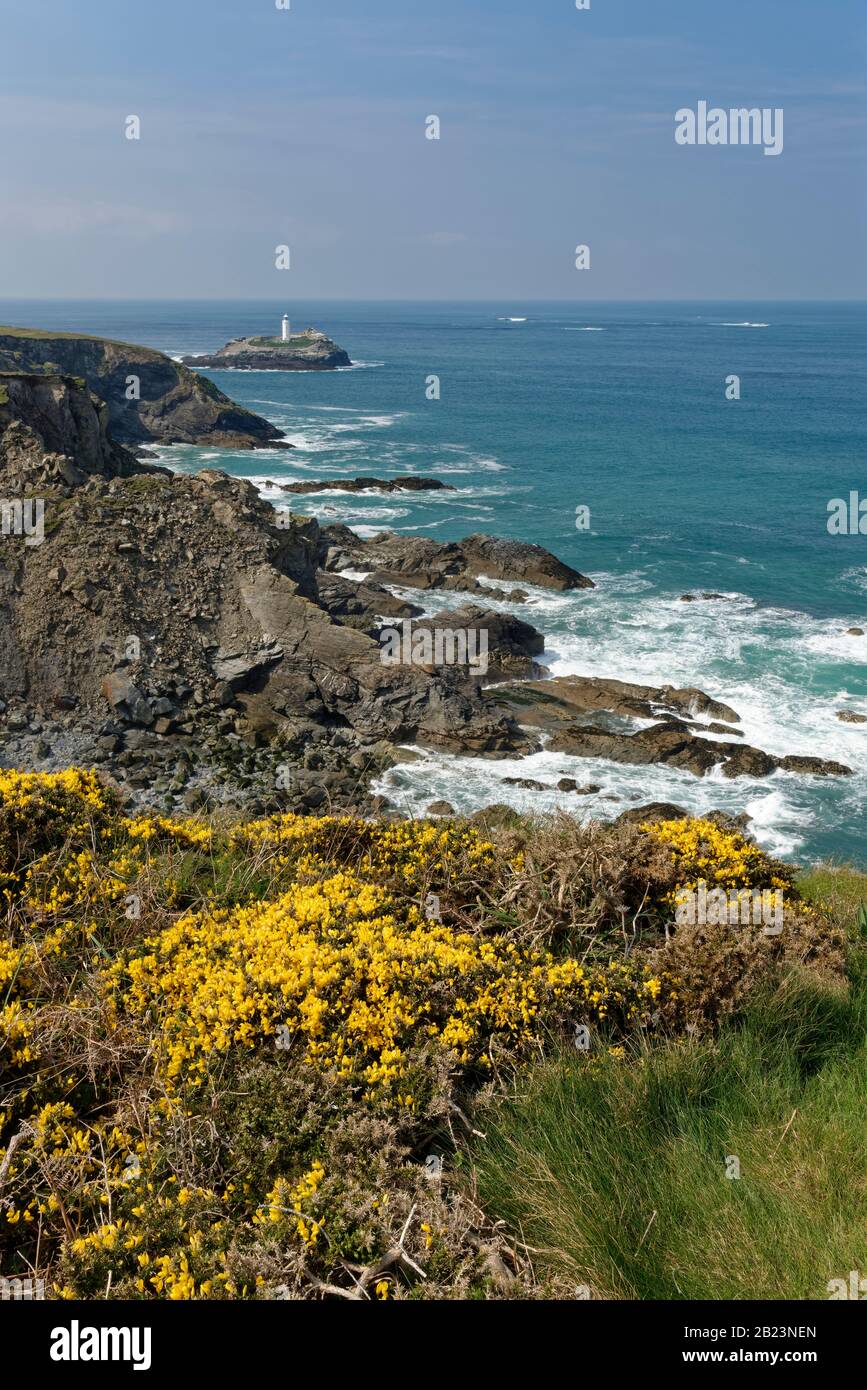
x=150, y=398
x=180, y=632
x=167, y=622
x=54, y=432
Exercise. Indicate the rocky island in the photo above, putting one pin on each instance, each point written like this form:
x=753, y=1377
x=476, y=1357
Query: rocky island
x=308, y=351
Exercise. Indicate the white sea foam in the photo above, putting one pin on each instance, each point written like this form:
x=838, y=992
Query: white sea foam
x=309, y=443
x=348, y=511
x=855, y=578
x=475, y=463
x=471, y=782
x=364, y=531
x=444, y=521
x=746, y=324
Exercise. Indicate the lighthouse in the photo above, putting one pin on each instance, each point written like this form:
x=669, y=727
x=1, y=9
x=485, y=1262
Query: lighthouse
x=285, y=328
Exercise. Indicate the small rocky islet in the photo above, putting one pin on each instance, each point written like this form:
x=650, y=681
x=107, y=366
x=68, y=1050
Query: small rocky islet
x=206, y=650
x=308, y=351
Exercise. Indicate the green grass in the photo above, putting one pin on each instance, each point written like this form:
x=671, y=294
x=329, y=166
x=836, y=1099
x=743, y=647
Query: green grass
x=613, y=1170
x=299, y=340
x=842, y=889
x=43, y=333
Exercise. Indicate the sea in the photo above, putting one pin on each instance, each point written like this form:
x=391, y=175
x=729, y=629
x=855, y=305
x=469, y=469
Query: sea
x=694, y=483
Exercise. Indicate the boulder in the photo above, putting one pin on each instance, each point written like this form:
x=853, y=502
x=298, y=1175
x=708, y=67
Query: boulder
x=814, y=767
x=236, y=668
x=509, y=644
x=653, y=811
x=126, y=699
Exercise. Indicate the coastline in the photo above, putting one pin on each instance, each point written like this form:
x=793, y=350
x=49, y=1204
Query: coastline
x=776, y=662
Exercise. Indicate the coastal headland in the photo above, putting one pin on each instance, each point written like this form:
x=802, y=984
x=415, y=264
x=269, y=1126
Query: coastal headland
x=204, y=648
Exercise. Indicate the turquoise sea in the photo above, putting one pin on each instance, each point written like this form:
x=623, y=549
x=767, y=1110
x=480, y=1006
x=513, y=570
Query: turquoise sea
x=620, y=408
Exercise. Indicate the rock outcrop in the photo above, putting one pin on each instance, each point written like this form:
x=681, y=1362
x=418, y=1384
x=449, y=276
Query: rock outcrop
x=589, y=717
x=149, y=398
x=510, y=645
x=408, y=483
x=671, y=744
x=548, y=704
x=417, y=562
x=54, y=433
x=310, y=351
x=169, y=606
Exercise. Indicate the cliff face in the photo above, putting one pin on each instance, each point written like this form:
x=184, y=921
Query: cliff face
x=169, y=404
x=219, y=598
x=54, y=431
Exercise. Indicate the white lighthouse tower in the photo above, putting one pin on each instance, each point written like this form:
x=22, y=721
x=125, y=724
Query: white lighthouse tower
x=285, y=328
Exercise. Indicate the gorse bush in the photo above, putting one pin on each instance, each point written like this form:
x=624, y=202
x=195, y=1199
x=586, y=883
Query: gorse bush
x=227, y=1050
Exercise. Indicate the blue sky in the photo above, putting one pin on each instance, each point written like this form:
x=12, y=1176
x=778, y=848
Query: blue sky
x=306, y=127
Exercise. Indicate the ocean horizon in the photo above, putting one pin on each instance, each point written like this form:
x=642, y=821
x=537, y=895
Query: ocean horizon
x=546, y=407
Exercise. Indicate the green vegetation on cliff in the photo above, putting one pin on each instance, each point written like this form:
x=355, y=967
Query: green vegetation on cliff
x=291, y=1056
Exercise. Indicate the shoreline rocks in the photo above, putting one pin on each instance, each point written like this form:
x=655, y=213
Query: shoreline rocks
x=568, y=708
x=417, y=562
x=547, y=704
x=201, y=647
x=408, y=483
x=672, y=744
